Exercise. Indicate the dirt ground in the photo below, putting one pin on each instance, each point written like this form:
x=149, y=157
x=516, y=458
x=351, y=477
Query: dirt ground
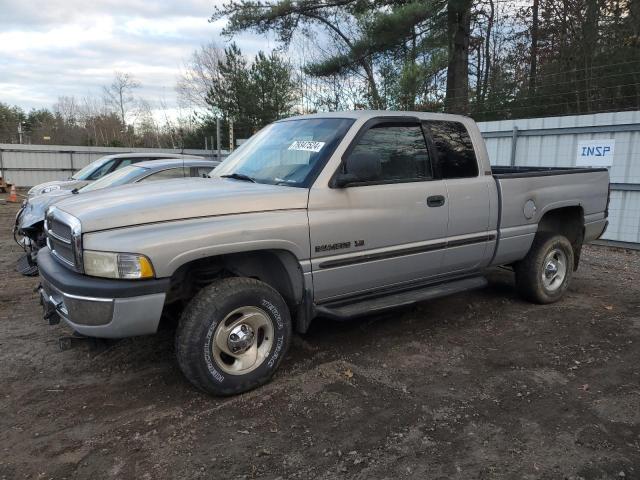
x=477, y=386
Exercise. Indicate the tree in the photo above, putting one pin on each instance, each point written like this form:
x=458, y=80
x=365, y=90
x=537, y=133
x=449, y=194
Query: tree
x=200, y=72
x=338, y=19
x=10, y=117
x=533, y=61
x=119, y=95
x=272, y=84
x=458, y=31
x=231, y=93
x=394, y=45
x=252, y=95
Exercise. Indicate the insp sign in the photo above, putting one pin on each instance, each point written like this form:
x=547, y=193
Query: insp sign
x=595, y=153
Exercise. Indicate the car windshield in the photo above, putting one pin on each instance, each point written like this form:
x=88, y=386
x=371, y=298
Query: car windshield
x=85, y=173
x=289, y=152
x=119, y=177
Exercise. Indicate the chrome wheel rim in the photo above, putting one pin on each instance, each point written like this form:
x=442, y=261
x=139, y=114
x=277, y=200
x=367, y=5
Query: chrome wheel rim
x=554, y=269
x=242, y=340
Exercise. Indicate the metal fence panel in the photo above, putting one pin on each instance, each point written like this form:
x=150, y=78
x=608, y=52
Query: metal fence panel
x=27, y=165
x=552, y=142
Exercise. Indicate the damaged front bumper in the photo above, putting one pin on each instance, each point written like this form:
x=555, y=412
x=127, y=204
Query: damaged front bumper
x=97, y=307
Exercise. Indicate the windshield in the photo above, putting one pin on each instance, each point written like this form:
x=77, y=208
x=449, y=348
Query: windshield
x=119, y=177
x=290, y=152
x=85, y=173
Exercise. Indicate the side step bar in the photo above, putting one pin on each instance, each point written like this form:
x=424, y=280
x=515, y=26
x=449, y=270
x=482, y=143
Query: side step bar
x=342, y=311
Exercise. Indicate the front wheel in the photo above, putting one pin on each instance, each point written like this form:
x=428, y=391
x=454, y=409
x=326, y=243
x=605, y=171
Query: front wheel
x=544, y=274
x=233, y=335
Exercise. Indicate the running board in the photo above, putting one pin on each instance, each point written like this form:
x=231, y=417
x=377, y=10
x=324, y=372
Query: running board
x=342, y=311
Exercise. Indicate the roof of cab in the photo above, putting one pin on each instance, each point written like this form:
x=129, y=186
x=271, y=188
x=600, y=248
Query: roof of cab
x=366, y=114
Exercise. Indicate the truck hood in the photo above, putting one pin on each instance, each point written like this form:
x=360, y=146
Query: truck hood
x=62, y=184
x=183, y=198
x=35, y=208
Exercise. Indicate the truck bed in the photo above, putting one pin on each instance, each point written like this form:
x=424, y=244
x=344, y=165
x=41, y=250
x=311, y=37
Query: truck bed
x=525, y=194
x=518, y=172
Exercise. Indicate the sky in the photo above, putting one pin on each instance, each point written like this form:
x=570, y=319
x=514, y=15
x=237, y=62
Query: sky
x=52, y=48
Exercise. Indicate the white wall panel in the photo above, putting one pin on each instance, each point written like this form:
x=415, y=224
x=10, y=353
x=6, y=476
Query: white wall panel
x=558, y=149
x=27, y=165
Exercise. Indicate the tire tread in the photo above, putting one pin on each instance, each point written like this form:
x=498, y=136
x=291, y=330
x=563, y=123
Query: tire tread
x=205, y=304
x=527, y=271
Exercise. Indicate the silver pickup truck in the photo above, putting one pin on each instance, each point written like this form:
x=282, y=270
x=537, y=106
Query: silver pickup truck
x=329, y=215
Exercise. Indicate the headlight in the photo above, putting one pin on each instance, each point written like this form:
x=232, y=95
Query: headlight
x=50, y=188
x=127, y=266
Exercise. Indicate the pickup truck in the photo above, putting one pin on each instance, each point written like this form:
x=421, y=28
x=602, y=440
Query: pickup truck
x=332, y=215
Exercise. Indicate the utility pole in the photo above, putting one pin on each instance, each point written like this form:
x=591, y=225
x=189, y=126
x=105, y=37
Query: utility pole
x=20, y=133
x=231, y=142
x=218, y=136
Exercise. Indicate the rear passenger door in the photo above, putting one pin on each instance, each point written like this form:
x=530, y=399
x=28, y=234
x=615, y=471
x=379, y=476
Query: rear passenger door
x=469, y=240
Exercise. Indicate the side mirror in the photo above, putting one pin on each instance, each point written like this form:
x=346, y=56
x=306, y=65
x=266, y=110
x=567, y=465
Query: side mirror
x=342, y=180
x=358, y=168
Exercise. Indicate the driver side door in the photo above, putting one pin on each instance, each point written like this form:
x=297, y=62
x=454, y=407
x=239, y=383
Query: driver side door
x=383, y=232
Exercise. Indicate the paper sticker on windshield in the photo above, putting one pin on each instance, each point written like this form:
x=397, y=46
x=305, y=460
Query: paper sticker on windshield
x=306, y=146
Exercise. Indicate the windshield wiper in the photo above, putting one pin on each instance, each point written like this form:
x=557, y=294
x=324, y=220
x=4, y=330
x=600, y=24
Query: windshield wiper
x=239, y=176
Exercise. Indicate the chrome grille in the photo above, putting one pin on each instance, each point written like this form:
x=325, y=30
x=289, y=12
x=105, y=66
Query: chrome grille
x=64, y=238
x=60, y=229
x=62, y=250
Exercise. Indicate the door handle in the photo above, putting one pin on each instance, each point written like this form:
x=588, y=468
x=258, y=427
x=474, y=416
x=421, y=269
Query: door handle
x=435, y=201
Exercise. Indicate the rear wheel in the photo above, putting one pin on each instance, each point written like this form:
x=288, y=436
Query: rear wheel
x=233, y=335
x=544, y=274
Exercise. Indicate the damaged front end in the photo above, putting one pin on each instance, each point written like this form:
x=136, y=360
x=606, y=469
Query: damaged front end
x=28, y=232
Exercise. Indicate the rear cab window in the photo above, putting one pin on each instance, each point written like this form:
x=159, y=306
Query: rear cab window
x=455, y=156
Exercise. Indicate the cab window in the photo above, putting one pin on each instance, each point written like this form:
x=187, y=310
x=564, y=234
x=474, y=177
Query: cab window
x=102, y=171
x=399, y=152
x=455, y=156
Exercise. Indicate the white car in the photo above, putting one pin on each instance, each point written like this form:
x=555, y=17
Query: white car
x=100, y=168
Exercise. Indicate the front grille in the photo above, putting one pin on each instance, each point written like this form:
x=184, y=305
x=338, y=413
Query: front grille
x=63, y=237
x=60, y=229
x=62, y=250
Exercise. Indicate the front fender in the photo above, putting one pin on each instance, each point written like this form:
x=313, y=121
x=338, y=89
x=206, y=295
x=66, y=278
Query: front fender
x=172, y=244
x=29, y=218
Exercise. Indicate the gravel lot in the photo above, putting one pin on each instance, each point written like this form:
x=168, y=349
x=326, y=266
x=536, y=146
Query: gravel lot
x=480, y=385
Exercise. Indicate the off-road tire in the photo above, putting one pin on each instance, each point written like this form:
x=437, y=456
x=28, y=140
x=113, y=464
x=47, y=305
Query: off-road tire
x=203, y=316
x=529, y=271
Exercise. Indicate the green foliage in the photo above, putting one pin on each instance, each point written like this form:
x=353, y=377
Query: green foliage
x=588, y=61
x=366, y=37
x=10, y=117
x=252, y=95
x=587, y=56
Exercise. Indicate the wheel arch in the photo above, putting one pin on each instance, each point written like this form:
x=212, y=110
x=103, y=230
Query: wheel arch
x=567, y=221
x=278, y=268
